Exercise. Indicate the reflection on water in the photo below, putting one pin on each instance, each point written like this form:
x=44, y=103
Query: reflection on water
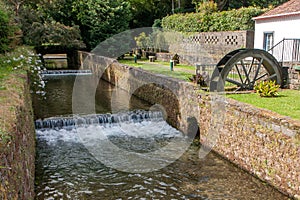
x=65, y=169
x=59, y=90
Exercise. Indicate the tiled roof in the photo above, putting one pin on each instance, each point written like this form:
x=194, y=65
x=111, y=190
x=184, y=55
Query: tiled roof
x=289, y=8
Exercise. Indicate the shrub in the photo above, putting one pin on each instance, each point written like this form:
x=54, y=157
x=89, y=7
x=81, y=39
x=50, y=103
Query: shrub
x=142, y=41
x=20, y=60
x=267, y=88
x=232, y=20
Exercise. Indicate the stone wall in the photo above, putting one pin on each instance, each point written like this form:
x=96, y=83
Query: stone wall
x=294, y=77
x=17, y=140
x=177, y=97
x=209, y=47
x=259, y=141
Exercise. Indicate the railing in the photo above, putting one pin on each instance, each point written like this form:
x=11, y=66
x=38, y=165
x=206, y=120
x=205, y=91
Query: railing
x=286, y=51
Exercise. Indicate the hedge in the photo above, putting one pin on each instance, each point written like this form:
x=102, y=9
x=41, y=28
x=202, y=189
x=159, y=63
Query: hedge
x=233, y=20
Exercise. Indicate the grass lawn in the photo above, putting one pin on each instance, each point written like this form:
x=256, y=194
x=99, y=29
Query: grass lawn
x=180, y=71
x=4, y=74
x=288, y=103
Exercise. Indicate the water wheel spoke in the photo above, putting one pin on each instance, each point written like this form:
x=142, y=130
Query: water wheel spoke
x=241, y=78
x=238, y=89
x=234, y=82
x=245, y=71
x=260, y=77
x=251, y=65
x=272, y=76
x=257, y=70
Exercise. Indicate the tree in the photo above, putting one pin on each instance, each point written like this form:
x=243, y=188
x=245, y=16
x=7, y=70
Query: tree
x=100, y=19
x=95, y=20
x=40, y=28
x=235, y=4
x=144, y=12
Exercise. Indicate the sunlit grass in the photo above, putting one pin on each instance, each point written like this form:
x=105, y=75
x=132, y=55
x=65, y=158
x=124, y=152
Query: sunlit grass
x=159, y=67
x=287, y=104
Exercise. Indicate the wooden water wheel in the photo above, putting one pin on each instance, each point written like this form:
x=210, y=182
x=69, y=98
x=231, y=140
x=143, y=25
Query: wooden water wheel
x=242, y=68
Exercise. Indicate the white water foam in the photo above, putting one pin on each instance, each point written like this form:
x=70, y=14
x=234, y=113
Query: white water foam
x=94, y=132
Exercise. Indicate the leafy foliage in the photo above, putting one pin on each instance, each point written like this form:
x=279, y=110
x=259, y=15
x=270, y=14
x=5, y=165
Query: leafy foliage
x=40, y=28
x=72, y=23
x=142, y=41
x=144, y=12
x=235, y=4
x=52, y=33
x=6, y=30
x=207, y=7
x=100, y=19
x=267, y=88
x=20, y=60
x=200, y=79
x=233, y=20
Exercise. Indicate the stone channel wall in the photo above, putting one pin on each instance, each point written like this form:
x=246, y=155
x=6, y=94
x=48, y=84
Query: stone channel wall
x=178, y=98
x=17, y=140
x=260, y=141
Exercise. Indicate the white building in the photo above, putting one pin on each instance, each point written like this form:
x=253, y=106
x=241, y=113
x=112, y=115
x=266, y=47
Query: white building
x=278, y=30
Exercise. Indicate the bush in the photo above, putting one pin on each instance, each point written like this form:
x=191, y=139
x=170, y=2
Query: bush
x=232, y=20
x=20, y=60
x=267, y=88
x=200, y=79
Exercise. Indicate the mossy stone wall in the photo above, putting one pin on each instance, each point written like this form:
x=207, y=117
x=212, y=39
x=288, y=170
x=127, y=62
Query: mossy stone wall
x=17, y=140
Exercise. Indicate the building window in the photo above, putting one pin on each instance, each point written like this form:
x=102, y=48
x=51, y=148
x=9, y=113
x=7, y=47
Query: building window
x=268, y=40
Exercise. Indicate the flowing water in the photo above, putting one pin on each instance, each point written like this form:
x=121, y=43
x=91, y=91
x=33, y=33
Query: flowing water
x=67, y=167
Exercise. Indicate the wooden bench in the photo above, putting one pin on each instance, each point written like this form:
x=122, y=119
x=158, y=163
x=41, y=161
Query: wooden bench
x=151, y=58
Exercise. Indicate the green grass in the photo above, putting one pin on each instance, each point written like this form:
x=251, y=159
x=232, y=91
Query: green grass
x=5, y=71
x=287, y=104
x=182, y=72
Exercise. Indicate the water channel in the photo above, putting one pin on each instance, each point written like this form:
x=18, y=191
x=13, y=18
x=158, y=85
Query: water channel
x=66, y=169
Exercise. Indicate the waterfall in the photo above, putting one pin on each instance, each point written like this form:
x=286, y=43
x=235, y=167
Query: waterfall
x=102, y=119
x=66, y=72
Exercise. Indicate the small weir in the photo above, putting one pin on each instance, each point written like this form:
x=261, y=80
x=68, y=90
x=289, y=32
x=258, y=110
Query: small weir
x=101, y=119
x=66, y=72
x=74, y=154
